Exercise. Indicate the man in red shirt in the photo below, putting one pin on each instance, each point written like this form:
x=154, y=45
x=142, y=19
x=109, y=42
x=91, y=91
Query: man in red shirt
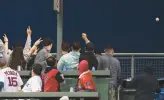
x=51, y=77
x=85, y=81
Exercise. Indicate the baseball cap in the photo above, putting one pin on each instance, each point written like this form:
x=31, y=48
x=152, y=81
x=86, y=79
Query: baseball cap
x=2, y=59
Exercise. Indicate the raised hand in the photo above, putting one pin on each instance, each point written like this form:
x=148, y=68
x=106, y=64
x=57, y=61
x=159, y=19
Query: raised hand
x=49, y=55
x=84, y=36
x=29, y=31
x=38, y=42
x=5, y=38
x=36, y=51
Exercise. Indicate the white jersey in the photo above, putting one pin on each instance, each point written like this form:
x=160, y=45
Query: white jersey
x=12, y=80
x=34, y=84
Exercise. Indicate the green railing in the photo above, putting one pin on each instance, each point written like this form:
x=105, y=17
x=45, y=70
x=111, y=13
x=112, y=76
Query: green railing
x=50, y=95
x=101, y=79
x=100, y=73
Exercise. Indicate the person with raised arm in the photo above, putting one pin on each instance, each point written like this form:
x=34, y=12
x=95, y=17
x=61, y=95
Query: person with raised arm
x=89, y=54
x=44, y=53
x=26, y=48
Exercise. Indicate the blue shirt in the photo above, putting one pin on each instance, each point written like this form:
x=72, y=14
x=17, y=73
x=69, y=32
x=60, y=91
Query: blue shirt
x=68, y=61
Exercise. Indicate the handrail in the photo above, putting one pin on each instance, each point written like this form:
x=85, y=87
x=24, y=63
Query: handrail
x=48, y=94
x=133, y=54
x=99, y=73
x=139, y=54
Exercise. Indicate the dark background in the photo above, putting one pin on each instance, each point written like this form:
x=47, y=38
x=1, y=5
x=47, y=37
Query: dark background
x=128, y=25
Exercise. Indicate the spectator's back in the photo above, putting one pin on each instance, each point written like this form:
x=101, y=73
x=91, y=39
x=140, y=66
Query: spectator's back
x=113, y=65
x=12, y=80
x=41, y=58
x=70, y=60
x=145, y=84
x=89, y=56
x=99, y=59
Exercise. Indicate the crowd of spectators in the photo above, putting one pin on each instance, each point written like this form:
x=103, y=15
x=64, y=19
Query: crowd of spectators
x=73, y=58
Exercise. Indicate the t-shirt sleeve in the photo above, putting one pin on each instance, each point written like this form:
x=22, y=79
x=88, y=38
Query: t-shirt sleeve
x=35, y=86
x=2, y=77
x=59, y=77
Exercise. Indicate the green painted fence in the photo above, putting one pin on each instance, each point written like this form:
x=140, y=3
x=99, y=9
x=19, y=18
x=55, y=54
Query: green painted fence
x=101, y=79
x=49, y=95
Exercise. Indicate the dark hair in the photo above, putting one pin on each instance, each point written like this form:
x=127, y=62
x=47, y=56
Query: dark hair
x=89, y=46
x=17, y=58
x=46, y=41
x=76, y=45
x=17, y=44
x=30, y=62
x=65, y=46
x=37, y=69
x=108, y=47
x=51, y=61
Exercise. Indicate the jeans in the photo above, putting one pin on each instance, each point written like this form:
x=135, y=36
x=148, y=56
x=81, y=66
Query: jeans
x=112, y=94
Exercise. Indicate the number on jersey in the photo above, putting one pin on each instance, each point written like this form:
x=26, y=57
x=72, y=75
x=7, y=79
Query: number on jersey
x=12, y=81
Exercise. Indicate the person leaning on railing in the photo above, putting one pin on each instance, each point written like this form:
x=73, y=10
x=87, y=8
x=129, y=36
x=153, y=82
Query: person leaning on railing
x=113, y=65
x=34, y=84
x=51, y=76
x=85, y=81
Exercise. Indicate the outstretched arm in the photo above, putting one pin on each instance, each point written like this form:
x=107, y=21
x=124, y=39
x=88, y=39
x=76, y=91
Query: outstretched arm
x=6, y=45
x=85, y=38
x=6, y=48
x=34, y=47
x=28, y=41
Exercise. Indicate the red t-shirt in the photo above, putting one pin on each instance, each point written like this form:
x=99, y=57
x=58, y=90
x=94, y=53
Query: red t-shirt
x=86, y=82
x=51, y=81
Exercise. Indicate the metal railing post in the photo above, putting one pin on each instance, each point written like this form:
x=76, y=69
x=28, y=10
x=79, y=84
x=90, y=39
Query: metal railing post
x=132, y=66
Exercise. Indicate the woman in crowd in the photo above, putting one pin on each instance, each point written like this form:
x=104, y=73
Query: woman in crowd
x=26, y=49
x=17, y=60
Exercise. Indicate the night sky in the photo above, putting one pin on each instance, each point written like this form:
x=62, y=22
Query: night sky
x=128, y=25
